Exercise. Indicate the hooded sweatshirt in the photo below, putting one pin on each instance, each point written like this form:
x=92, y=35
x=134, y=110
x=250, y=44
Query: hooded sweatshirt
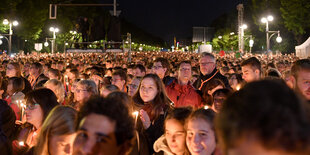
x=161, y=145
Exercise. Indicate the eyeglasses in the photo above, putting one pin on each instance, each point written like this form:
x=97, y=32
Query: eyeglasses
x=114, y=80
x=133, y=86
x=80, y=90
x=185, y=69
x=31, y=106
x=157, y=67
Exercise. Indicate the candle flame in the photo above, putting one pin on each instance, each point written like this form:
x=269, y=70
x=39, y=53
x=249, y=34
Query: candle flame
x=238, y=87
x=21, y=143
x=206, y=107
x=136, y=113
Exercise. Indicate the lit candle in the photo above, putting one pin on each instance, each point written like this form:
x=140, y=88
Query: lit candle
x=135, y=114
x=21, y=143
x=206, y=107
x=238, y=87
x=66, y=78
x=23, y=107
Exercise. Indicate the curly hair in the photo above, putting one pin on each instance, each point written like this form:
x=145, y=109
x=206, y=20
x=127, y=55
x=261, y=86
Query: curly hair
x=114, y=110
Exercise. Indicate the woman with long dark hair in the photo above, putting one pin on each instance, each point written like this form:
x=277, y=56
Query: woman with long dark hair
x=153, y=104
x=39, y=103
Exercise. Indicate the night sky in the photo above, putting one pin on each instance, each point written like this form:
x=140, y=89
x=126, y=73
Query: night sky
x=169, y=18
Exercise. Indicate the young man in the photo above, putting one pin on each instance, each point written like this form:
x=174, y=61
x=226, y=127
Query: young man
x=180, y=91
x=208, y=71
x=105, y=127
x=251, y=69
x=119, y=78
x=264, y=118
x=36, y=76
x=139, y=70
x=301, y=77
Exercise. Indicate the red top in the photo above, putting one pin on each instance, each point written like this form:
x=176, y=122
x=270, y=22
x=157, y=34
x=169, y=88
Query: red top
x=183, y=95
x=14, y=106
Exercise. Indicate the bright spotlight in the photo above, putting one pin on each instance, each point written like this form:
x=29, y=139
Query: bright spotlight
x=52, y=29
x=244, y=26
x=270, y=18
x=5, y=22
x=46, y=44
x=15, y=23
x=279, y=39
x=264, y=20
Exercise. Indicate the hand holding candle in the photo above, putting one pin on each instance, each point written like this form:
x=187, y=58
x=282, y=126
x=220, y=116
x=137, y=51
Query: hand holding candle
x=21, y=143
x=135, y=114
x=238, y=87
x=145, y=119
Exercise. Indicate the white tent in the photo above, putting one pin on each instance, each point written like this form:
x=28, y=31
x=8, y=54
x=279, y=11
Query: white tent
x=303, y=50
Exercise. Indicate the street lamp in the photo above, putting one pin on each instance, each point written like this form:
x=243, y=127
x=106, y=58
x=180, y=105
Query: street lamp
x=14, y=23
x=251, y=42
x=45, y=43
x=54, y=30
x=267, y=20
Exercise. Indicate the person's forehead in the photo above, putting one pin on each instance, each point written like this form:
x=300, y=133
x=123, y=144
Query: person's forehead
x=246, y=67
x=304, y=74
x=206, y=58
x=198, y=124
x=185, y=65
x=98, y=124
x=116, y=76
x=79, y=85
x=148, y=81
x=157, y=63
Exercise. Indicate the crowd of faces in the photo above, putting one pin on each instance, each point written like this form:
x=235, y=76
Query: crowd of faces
x=197, y=135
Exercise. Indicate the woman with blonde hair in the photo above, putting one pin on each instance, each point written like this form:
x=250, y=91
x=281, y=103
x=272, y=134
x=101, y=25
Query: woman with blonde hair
x=58, y=88
x=84, y=90
x=58, y=132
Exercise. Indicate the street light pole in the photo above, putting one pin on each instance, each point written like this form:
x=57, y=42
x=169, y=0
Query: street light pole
x=279, y=39
x=267, y=36
x=14, y=23
x=10, y=39
x=54, y=30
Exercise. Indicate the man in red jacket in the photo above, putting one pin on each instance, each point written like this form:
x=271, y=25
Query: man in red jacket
x=180, y=91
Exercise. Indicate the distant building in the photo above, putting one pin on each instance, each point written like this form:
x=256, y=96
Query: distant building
x=202, y=34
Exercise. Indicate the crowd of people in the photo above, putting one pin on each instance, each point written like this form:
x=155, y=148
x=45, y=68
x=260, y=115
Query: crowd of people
x=168, y=103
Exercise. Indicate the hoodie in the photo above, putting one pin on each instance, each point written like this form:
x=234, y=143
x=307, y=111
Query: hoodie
x=161, y=145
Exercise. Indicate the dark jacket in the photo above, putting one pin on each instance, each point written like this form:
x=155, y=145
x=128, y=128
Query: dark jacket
x=40, y=81
x=27, y=86
x=205, y=78
x=168, y=80
x=151, y=134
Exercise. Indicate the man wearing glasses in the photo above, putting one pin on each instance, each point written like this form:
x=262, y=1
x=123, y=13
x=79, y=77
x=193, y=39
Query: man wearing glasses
x=208, y=71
